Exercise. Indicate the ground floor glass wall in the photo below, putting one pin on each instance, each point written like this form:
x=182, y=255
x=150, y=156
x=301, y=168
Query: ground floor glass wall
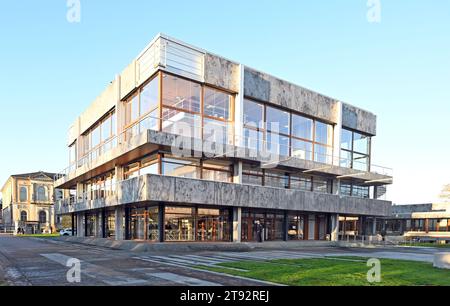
x=196, y=224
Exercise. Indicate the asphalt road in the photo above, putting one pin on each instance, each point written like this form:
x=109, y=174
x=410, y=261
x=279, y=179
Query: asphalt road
x=26, y=261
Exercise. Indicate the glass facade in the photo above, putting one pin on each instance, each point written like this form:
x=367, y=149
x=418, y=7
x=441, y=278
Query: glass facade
x=354, y=190
x=253, y=175
x=196, y=224
x=286, y=133
x=144, y=223
x=355, y=150
x=259, y=225
x=98, y=140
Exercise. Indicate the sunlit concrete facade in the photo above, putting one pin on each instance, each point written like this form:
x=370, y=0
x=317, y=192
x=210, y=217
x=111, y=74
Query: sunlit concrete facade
x=28, y=202
x=185, y=145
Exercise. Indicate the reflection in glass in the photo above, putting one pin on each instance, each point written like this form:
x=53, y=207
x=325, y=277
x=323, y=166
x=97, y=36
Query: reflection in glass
x=253, y=113
x=302, y=149
x=217, y=104
x=277, y=120
x=302, y=127
x=181, y=94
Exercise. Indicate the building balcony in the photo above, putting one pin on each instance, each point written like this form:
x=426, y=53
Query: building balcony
x=157, y=188
x=151, y=133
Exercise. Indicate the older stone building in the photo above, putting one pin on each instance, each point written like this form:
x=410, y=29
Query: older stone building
x=28, y=202
x=185, y=145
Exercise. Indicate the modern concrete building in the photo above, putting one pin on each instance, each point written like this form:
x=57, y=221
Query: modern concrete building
x=424, y=222
x=28, y=202
x=185, y=145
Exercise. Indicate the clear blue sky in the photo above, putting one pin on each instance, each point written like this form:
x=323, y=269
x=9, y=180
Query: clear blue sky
x=399, y=68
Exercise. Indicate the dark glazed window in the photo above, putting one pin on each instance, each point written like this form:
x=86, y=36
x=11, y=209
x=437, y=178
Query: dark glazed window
x=23, y=196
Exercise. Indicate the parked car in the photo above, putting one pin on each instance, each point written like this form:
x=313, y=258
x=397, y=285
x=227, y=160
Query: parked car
x=66, y=232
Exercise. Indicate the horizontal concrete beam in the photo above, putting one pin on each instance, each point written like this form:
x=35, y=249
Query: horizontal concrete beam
x=156, y=188
x=199, y=146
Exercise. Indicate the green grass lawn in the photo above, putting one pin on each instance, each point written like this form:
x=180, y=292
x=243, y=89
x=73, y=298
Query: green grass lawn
x=337, y=272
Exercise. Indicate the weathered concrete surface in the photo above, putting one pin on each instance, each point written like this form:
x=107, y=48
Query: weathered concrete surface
x=264, y=87
x=442, y=261
x=221, y=72
x=197, y=147
x=359, y=119
x=190, y=191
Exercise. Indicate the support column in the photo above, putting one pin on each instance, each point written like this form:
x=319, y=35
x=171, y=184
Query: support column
x=80, y=226
x=337, y=132
x=73, y=224
x=127, y=223
x=362, y=222
x=103, y=224
x=239, y=111
x=374, y=226
x=237, y=175
x=161, y=217
x=237, y=224
x=286, y=226
x=85, y=217
x=335, y=227
x=119, y=213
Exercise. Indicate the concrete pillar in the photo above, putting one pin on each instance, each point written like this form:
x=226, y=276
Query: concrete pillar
x=336, y=187
x=374, y=226
x=334, y=227
x=237, y=178
x=239, y=111
x=161, y=217
x=237, y=224
x=99, y=225
x=286, y=226
x=80, y=224
x=80, y=192
x=74, y=226
x=119, y=214
x=337, y=134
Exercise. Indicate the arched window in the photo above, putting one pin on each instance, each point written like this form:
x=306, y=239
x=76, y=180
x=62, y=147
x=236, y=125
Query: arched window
x=23, y=216
x=41, y=194
x=42, y=217
x=23, y=194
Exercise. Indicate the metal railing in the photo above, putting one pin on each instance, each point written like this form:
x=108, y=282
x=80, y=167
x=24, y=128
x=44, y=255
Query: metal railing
x=221, y=132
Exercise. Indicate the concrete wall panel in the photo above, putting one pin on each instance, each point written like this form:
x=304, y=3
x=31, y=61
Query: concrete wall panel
x=221, y=72
x=267, y=88
x=358, y=119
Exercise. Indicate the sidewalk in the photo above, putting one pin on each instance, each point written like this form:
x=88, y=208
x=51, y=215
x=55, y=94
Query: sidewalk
x=140, y=246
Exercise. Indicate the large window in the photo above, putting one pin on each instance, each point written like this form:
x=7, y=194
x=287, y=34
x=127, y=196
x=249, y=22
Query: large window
x=41, y=193
x=100, y=138
x=262, y=225
x=147, y=165
x=355, y=150
x=100, y=187
x=144, y=223
x=193, y=111
x=42, y=217
x=286, y=133
x=253, y=175
x=354, y=190
x=143, y=107
x=23, y=194
x=188, y=168
x=296, y=226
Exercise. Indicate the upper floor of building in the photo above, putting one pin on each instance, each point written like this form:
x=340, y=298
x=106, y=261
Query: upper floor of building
x=173, y=88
